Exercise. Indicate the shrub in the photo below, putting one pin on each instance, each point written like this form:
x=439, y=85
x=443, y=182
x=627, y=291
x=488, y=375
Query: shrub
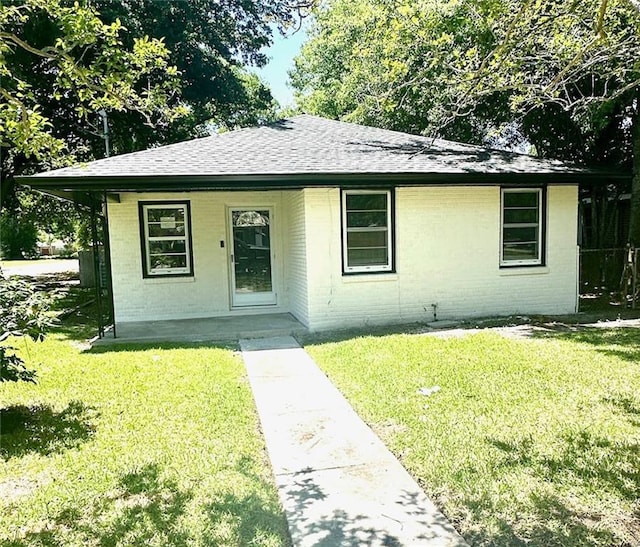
x=24, y=311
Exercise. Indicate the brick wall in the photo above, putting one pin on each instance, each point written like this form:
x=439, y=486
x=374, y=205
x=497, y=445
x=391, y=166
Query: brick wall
x=206, y=294
x=447, y=244
x=447, y=253
x=296, y=255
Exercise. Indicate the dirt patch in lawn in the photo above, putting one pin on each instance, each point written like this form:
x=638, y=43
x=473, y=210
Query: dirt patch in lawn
x=12, y=489
x=388, y=430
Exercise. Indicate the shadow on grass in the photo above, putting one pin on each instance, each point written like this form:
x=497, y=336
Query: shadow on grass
x=144, y=346
x=144, y=509
x=550, y=522
x=48, y=280
x=74, y=305
x=41, y=430
x=584, y=458
x=593, y=463
x=250, y=518
x=78, y=314
x=148, y=509
x=627, y=406
x=621, y=342
x=541, y=326
x=343, y=335
x=80, y=328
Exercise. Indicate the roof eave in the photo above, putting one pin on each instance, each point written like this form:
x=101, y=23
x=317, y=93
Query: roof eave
x=140, y=183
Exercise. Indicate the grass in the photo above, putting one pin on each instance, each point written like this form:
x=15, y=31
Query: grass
x=134, y=445
x=527, y=442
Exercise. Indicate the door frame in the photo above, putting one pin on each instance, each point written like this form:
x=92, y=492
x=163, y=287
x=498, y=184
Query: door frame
x=253, y=299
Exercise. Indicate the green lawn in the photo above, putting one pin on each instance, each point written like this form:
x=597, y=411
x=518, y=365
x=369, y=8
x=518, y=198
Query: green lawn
x=134, y=446
x=532, y=442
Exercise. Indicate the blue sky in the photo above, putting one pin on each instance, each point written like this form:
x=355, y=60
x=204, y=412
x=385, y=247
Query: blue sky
x=281, y=55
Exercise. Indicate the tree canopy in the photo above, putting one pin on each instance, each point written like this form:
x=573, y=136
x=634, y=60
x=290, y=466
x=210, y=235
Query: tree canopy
x=559, y=77
x=62, y=62
x=210, y=43
x=163, y=71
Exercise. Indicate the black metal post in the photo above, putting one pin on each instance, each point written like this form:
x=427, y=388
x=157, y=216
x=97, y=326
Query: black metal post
x=107, y=259
x=96, y=268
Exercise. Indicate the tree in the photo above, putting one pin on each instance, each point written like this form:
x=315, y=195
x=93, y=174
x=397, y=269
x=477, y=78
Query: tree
x=571, y=72
x=18, y=239
x=561, y=77
x=80, y=61
x=198, y=48
x=210, y=43
x=59, y=63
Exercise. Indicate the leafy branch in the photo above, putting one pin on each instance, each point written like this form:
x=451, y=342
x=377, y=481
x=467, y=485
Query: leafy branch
x=89, y=61
x=24, y=312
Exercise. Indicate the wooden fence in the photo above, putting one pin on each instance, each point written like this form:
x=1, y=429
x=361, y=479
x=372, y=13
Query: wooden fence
x=601, y=270
x=611, y=270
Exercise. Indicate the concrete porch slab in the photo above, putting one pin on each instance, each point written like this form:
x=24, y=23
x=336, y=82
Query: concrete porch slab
x=210, y=329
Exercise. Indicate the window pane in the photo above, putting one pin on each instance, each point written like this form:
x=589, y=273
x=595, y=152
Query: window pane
x=250, y=218
x=521, y=226
x=167, y=247
x=367, y=219
x=520, y=251
x=166, y=229
x=367, y=239
x=521, y=199
x=513, y=235
x=175, y=214
x=162, y=262
x=255, y=280
x=367, y=257
x=366, y=202
x=515, y=216
x=366, y=224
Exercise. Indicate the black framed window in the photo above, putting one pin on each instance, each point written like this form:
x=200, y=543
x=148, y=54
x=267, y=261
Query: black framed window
x=165, y=229
x=367, y=231
x=522, y=227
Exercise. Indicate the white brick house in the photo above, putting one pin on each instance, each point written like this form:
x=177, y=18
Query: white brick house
x=337, y=224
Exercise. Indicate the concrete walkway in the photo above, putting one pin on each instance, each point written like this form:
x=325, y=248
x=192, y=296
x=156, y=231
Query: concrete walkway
x=339, y=485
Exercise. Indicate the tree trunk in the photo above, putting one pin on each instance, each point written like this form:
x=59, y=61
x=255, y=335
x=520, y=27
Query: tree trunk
x=634, y=227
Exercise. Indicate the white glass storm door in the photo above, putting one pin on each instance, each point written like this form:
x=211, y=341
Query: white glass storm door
x=251, y=257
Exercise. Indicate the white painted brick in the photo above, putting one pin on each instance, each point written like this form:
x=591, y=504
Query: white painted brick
x=206, y=294
x=296, y=256
x=447, y=252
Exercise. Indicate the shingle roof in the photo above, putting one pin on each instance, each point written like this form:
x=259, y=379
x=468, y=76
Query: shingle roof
x=310, y=145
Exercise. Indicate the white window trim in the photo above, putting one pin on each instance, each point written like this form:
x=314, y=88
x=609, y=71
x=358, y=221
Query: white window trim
x=162, y=272
x=388, y=267
x=541, y=216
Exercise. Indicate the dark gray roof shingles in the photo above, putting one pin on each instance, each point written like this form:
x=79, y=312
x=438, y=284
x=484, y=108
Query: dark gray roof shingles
x=311, y=145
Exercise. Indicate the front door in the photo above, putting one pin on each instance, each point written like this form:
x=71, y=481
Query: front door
x=251, y=257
